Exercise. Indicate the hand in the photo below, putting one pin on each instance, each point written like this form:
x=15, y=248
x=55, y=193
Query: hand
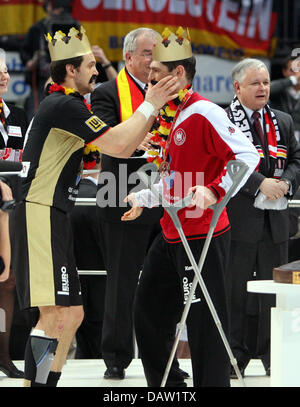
x=146, y=144
x=5, y=192
x=99, y=54
x=284, y=186
x=135, y=211
x=31, y=64
x=203, y=197
x=273, y=188
x=165, y=90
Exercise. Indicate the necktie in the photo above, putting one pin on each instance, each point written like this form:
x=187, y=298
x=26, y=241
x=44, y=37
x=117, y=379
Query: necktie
x=258, y=128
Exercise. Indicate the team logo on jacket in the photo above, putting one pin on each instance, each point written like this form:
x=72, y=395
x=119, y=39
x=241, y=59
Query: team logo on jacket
x=179, y=137
x=231, y=130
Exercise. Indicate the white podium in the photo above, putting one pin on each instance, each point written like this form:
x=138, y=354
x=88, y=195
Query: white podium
x=285, y=331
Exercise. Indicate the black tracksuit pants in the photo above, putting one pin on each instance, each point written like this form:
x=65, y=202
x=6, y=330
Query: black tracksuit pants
x=159, y=303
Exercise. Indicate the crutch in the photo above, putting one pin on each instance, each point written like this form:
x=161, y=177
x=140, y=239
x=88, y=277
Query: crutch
x=236, y=170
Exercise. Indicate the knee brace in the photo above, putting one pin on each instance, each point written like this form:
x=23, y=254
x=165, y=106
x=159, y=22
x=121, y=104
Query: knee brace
x=39, y=355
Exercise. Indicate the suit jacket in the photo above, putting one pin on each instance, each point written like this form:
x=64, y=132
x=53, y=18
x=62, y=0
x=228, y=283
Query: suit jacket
x=281, y=99
x=106, y=104
x=17, y=117
x=247, y=222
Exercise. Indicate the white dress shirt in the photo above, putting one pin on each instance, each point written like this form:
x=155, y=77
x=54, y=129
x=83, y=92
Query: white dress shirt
x=249, y=113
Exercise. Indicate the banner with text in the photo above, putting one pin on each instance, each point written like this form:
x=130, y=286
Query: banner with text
x=17, y=16
x=223, y=28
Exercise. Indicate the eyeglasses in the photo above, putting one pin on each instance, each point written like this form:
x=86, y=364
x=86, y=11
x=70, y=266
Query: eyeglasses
x=145, y=55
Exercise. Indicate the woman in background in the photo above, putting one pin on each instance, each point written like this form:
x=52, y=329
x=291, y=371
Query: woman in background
x=13, y=126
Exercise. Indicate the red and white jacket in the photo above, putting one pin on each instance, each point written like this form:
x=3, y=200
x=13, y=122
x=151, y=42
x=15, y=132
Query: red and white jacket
x=202, y=141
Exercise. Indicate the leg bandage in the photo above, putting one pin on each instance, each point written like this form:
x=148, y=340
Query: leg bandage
x=39, y=355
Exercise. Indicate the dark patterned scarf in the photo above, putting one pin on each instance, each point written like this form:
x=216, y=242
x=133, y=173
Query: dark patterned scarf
x=272, y=162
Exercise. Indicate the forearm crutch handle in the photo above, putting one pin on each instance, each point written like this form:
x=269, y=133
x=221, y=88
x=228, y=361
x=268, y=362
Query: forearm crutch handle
x=236, y=170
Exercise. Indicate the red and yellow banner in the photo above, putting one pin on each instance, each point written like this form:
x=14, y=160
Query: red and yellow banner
x=227, y=28
x=17, y=16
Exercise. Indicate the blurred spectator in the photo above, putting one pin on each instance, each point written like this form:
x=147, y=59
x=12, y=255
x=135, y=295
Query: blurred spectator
x=34, y=51
x=285, y=92
x=285, y=96
x=105, y=68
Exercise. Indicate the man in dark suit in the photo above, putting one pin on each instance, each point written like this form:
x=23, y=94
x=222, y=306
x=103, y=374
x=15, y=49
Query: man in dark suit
x=88, y=257
x=258, y=213
x=124, y=244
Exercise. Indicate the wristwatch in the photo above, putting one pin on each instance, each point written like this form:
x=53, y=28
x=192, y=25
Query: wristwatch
x=287, y=182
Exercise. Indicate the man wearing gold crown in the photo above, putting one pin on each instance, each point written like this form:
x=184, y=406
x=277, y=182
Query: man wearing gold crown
x=197, y=141
x=46, y=275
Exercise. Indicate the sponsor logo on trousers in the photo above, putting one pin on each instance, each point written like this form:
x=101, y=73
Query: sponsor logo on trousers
x=186, y=291
x=64, y=282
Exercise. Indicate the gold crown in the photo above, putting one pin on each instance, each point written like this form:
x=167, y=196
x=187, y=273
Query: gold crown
x=173, y=47
x=73, y=45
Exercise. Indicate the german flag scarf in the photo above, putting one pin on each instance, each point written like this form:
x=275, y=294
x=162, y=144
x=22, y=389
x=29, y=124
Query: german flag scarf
x=130, y=95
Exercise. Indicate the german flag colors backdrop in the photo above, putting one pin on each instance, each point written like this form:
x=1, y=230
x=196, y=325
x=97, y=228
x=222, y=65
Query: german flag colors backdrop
x=226, y=29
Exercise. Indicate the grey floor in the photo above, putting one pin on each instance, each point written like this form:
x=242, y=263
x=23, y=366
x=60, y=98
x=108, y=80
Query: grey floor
x=89, y=373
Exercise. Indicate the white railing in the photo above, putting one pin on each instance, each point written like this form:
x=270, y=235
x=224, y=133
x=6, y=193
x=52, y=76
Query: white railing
x=92, y=272
x=294, y=203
